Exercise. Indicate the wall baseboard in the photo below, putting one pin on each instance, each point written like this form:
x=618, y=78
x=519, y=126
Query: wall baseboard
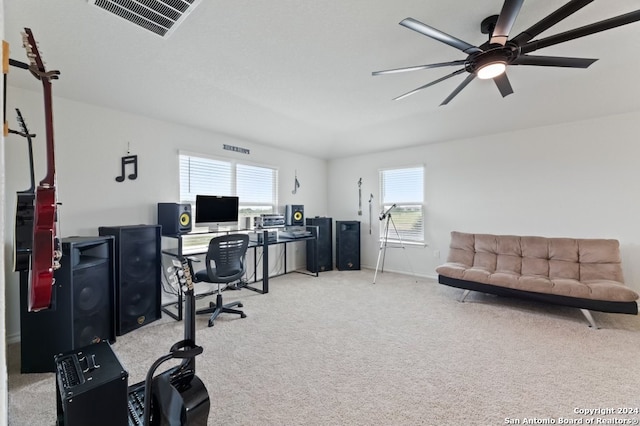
x=429, y=276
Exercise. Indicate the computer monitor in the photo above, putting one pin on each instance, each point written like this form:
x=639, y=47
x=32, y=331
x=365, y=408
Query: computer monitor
x=215, y=210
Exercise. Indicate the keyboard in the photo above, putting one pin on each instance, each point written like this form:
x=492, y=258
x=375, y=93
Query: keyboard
x=293, y=234
x=135, y=404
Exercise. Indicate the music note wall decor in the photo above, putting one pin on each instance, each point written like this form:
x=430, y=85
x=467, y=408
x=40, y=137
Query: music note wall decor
x=296, y=184
x=128, y=159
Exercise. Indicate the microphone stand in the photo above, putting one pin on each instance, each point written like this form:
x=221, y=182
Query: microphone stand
x=383, y=243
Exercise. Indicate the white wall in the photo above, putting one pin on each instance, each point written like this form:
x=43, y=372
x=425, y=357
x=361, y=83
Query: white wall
x=89, y=143
x=575, y=180
x=3, y=335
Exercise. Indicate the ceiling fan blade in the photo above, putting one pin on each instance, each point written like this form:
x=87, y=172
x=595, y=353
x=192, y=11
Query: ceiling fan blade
x=506, y=19
x=596, y=27
x=504, y=86
x=430, y=84
x=458, y=89
x=553, y=61
x=550, y=20
x=438, y=35
x=420, y=67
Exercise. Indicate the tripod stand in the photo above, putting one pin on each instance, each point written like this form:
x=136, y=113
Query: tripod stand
x=383, y=243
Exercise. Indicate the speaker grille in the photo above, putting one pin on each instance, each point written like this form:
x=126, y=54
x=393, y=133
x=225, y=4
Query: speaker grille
x=322, y=243
x=138, y=270
x=161, y=17
x=92, y=318
x=347, y=245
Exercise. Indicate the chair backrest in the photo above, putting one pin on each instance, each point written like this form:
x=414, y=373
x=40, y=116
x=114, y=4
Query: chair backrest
x=225, y=257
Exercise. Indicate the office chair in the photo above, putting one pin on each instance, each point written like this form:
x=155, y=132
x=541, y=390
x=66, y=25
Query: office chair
x=225, y=264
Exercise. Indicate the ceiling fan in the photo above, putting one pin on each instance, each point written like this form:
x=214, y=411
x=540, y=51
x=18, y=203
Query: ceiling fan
x=490, y=60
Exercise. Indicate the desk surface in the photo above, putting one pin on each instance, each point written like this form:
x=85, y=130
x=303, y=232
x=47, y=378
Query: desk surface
x=202, y=249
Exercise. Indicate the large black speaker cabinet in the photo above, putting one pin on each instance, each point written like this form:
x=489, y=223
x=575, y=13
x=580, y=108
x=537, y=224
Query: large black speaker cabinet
x=324, y=238
x=138, y=274
x=347, y=245
x=82, y=301
x=294, y=215
x=174, y=218
x=91, y=387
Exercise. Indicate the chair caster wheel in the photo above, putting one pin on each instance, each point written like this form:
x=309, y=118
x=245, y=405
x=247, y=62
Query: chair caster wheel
x=243, y=316
x=210, y=323
x=240, y=305
x=211, y=304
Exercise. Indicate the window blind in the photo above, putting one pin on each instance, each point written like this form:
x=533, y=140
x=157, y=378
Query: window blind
x=403, y=187
x=256, y=186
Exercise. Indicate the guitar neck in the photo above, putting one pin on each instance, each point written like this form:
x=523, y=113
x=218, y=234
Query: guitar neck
x=49, y=179
x=5, y=71
x=32, y=178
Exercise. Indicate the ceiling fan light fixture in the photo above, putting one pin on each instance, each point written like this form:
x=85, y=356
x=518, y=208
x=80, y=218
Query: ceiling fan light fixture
x=491, y=70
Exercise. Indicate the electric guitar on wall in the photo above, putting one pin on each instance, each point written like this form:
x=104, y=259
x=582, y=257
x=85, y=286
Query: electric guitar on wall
x=23, y=234
x=46, y=253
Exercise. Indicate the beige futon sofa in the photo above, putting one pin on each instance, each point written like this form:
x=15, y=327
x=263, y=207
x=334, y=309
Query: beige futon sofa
x=581, y=273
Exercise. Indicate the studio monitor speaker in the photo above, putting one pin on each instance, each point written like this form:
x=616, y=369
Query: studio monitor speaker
x=294, y=215
x=321, y=228
x=138, y=274
x=82, y=305
x=347, y=245
x=174, y=218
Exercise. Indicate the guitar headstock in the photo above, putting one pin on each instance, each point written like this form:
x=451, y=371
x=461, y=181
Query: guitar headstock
x=36, y=66
x=23, y=125
x=183, y=273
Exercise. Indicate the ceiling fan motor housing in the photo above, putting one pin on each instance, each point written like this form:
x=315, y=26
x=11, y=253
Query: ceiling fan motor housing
x=479, y=60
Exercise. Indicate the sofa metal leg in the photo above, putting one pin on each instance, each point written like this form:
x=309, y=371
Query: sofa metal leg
x=464, y=295
x=589, y=318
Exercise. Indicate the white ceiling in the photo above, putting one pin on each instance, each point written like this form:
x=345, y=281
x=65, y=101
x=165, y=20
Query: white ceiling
x=297, y=74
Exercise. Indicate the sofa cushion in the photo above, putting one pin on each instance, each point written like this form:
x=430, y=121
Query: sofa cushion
x=461, y=248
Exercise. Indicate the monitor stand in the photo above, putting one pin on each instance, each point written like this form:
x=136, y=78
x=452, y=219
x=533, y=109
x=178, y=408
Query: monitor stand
x=223, y=228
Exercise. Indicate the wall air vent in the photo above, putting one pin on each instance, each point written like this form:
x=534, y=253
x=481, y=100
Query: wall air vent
x=161, y=17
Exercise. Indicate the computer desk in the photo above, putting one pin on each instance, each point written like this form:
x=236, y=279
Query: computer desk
x=265, y=258
x=264, y=245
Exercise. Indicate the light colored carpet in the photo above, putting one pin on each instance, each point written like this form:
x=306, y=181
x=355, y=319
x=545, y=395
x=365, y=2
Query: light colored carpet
x=339, y=350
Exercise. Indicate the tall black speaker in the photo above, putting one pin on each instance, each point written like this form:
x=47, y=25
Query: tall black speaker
x=138, y=274
x=174, y=218
x=82, y=301
x=324, y=237
x=347, y=245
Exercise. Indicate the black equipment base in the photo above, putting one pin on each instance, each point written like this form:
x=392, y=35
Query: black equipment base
x=574, y=302
x=194, y=399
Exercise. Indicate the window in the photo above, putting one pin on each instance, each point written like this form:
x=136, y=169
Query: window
x=403, y=188
x=256, y=186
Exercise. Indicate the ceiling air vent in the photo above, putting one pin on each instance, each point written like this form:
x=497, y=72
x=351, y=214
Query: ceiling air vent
x=161, y=17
